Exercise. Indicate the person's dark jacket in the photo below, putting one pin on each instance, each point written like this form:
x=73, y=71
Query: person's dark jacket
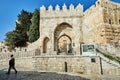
x=12, y=62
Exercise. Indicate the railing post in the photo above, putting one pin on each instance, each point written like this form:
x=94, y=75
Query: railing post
x=65, y=66
x=101, y=66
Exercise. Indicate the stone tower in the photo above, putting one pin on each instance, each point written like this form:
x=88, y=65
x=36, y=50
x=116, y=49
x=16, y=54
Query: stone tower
x=102, y=23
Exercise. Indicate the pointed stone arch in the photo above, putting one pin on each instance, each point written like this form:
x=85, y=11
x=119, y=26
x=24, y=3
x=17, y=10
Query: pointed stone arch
x=60, y=31
x=45, y=44
x=60, y=25
x=64, y=44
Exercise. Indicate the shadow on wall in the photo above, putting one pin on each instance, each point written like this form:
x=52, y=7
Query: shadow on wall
x=34, y=75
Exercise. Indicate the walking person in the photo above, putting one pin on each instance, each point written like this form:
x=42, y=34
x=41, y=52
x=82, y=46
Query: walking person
x=12, y=65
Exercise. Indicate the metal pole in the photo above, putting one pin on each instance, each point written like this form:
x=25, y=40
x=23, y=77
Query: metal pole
x=65, y=66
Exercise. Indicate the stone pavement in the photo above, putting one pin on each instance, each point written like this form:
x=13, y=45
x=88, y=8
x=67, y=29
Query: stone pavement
x=40, y=75
x=34, y=75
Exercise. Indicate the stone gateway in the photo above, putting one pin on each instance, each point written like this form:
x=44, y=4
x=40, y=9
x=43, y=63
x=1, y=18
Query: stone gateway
x=64, y=31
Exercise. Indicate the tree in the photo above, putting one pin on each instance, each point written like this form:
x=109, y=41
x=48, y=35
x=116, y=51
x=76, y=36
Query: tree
x=22, y=28
x=23, y=25
x=9, y=41
x=19, y=36
x=34, y=27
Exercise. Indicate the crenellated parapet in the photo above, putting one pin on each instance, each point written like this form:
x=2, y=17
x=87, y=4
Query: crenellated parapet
x=50, y=8
x=64, y=12
x=64, y=7
x=71, y=7
x=42, y=9
x=57, y=8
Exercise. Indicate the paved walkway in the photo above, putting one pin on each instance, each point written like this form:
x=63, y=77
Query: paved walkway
x=35, y=75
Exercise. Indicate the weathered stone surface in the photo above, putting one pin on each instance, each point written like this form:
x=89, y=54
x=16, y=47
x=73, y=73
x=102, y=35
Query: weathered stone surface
x=61, y=34
x=103, y=22
x=74, y=64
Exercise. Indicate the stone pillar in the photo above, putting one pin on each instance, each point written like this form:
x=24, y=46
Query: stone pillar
x=41, y=46
x=54, y=52
x=77, y=48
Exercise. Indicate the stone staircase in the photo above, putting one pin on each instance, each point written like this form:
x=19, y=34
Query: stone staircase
x=109, y=66
x=107, y=60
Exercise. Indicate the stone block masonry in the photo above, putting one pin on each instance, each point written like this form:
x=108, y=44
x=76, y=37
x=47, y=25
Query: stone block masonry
x=71, y=64
x=63, y=31
x=76, y=64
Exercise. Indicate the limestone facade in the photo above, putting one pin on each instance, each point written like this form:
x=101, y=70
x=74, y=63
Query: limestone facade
x=102, y=21
x=77, y=64
x=62, y=31
x=73, y=64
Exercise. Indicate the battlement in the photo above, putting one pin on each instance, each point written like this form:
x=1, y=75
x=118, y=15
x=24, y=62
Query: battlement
x=72, y=11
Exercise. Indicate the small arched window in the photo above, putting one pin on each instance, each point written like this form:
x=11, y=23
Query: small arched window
x=110, y=21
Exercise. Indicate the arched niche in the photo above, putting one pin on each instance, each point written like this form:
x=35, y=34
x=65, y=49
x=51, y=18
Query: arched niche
x=45, y=44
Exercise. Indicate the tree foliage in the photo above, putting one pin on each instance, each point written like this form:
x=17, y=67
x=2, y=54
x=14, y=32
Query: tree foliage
x=10, y=39
x=19, y=36
x=23, y=25
x=34, y=27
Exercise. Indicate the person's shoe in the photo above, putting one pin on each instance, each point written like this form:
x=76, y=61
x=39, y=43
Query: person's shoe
x=15, y=72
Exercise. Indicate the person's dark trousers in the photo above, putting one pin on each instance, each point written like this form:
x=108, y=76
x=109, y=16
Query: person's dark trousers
x=11, y=67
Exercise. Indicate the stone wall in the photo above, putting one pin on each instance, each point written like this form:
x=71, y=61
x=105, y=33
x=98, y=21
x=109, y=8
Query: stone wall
x=19, y=54
x=71, y=64
x=93, y=17
x=76, y=64
x=25, y=63
x=102, y=23
x=20, y=63
x=23, y=58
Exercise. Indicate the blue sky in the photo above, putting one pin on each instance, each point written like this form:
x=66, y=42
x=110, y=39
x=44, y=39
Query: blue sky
x=9, y=9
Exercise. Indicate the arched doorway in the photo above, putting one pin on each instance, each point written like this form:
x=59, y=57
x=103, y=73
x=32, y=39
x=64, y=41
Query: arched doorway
x=62, y=38
x=64, y=44
x=45, y=44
